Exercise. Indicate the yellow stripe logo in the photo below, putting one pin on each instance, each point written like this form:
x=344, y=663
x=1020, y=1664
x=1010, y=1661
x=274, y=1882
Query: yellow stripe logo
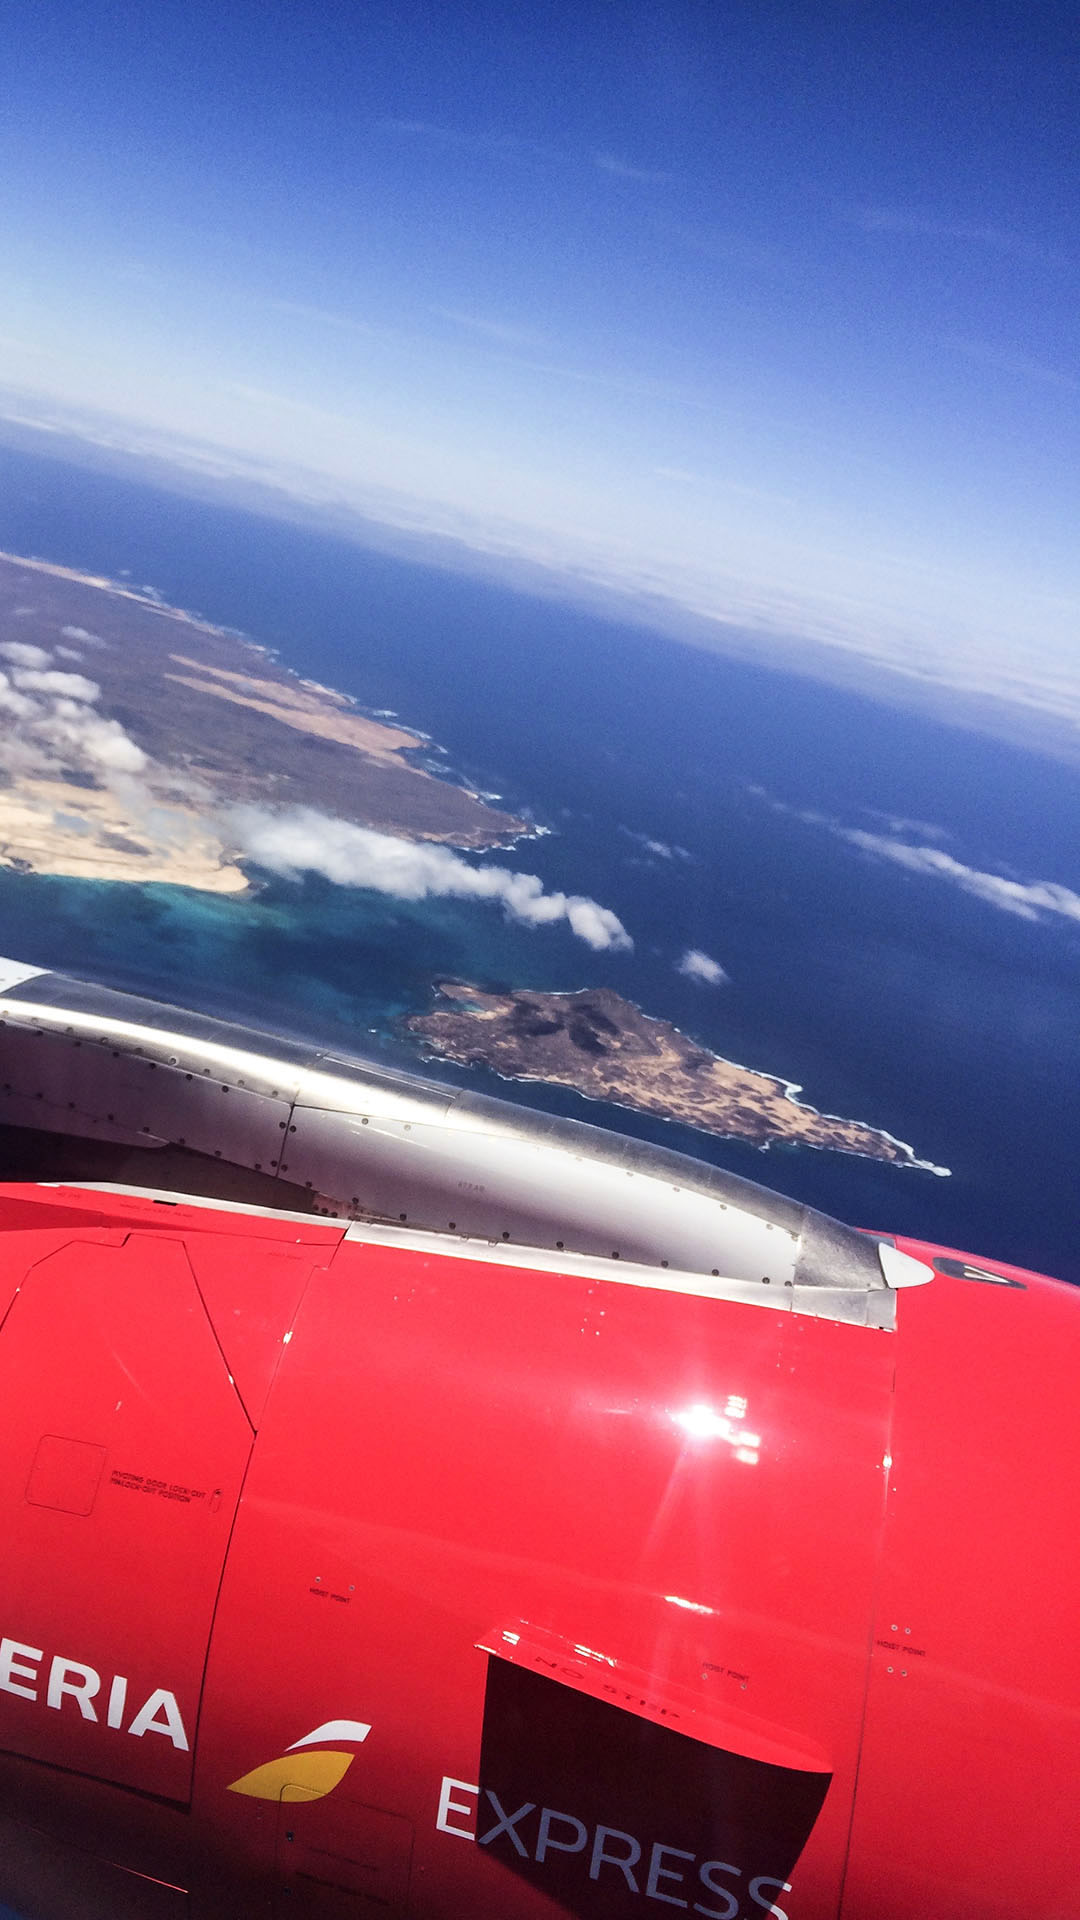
x=308, y=1770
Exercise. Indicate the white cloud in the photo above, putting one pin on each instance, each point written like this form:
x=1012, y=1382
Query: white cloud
x=299, y=310
x=80, y=633
x=1009, y=360
x=74, y=731
x=18, y=704
x=301, y=840
x=21, y=654
x=622, y=169
x=660, y=848
x=1030, y=899
x=56, y=727
x=502, y=332
x=904, y=826
x=104, y=742
x=69, y=653
x=703, y=968
x=67, y=686
x=426, y=130
x=683, y=474
x=911, y=221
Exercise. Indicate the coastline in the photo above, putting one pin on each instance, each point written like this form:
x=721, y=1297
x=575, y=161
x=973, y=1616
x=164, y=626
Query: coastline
x=908, y=1161
x=106, y=842
x=408, y=740
x=786, y=1090
x=130, y=768
x=153, y=603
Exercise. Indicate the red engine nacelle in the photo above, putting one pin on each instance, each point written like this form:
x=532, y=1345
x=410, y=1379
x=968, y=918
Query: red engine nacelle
x=345, y=1578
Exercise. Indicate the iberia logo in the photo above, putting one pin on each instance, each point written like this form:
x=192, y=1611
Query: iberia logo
x=309, y=1769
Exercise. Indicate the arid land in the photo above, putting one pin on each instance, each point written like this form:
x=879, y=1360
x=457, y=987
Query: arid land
x=606, y=1048
x=221, y=723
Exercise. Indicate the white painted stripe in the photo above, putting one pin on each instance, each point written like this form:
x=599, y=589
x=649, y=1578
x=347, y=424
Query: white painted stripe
x=333, y=1730
x=205, y=1201
x=457, y=1247
x=624, y=1273
x=544, y=1260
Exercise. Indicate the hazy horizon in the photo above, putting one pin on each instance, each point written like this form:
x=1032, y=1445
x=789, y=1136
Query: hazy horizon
x=763, y=316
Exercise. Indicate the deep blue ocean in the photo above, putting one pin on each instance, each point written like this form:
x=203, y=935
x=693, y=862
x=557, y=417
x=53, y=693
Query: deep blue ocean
x=890, y=997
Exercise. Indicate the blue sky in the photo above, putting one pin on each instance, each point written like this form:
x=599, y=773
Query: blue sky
x=768, y=309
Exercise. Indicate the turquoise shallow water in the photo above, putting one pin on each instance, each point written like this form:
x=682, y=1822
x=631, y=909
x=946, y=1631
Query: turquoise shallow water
x=891, y=998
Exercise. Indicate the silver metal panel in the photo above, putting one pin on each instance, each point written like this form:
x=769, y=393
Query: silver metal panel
x=25, y=1110
x=343, y=1074
x=819, y=1303
x=491, y=1188
x=70, y=1083
x=416, y=1154
x=208, y=1057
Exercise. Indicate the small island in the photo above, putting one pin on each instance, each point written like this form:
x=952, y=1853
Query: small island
x=129, y=730
x=606, y=1048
